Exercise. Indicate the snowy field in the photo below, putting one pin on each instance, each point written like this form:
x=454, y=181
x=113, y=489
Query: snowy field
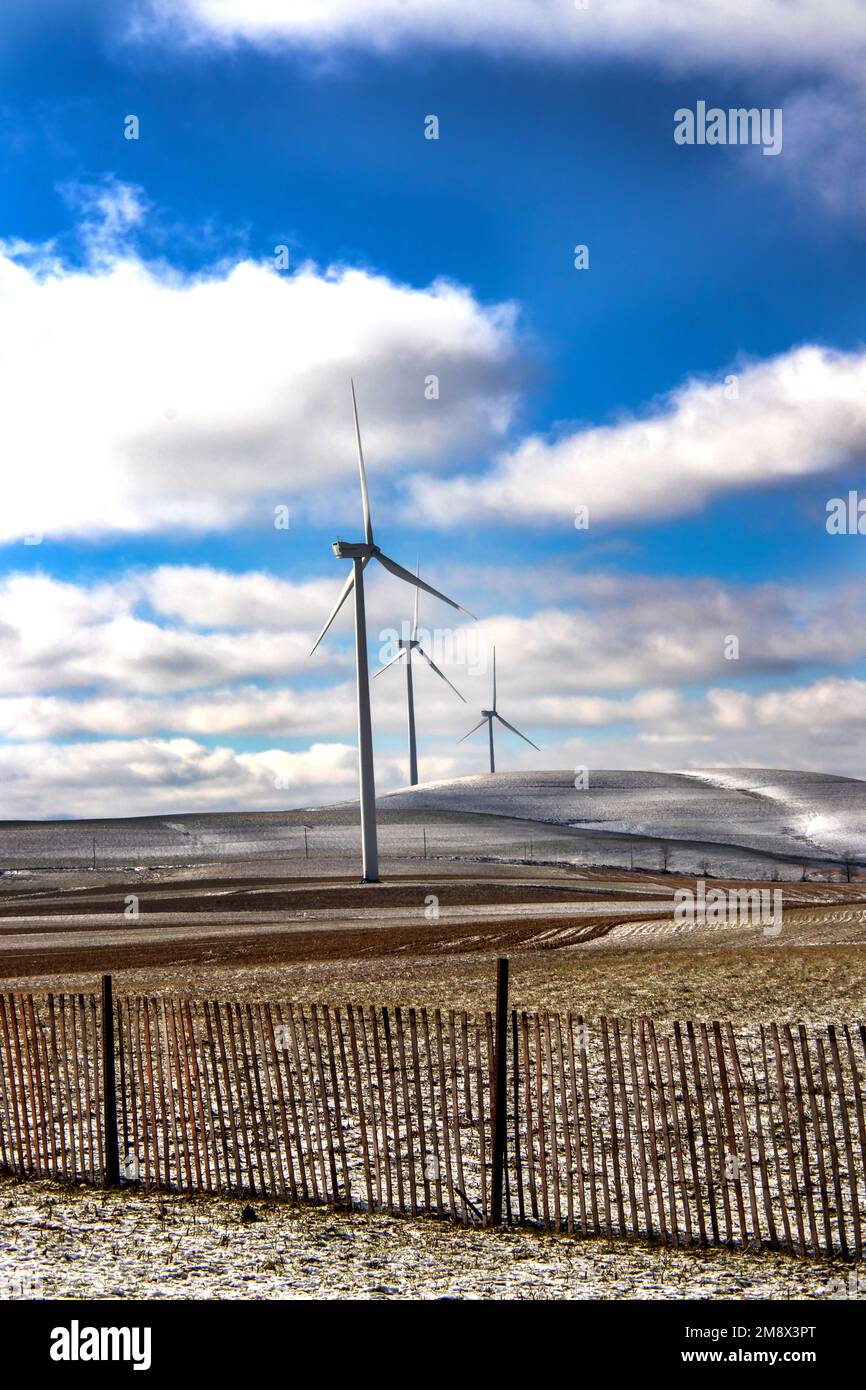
x=738, y=823
x=77, y=1243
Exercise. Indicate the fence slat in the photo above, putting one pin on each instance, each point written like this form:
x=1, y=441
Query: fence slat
x=858, y=1099
x=383, y=1113
x=626, y=1129
x=731, y=1143
x=641, y=1144
x=789, y=1146
x=552, y=1122
x=419, y=1106
x=718, y=1167
x=313, y=1028
x=801, y=1130
x=530, y=1146
x=744, y=1130
x=566, y=1129
x=434, y=1122
x=371, y=1092
x=292, y=1034
x=583, y=1049
x=443, y=1092
x=77, y=1163
x=407, y=1110
x=786, y=1223
x=262, y=1050
x=846, y=1136
x=480, y=1112
x=22, y=1131
x=338, y=1109
x=652, y=1133
x=678, y=1142
x=666, y=1133
x=832, y=1146
x=231, y=1183
x=539, y=1115
x=811, y=1091
x=515, y=1103
x=460, y=1186
x=359, y=1088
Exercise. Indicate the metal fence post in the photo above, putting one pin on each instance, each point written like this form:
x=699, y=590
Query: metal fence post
x=111, y=1171
x=499, y=1109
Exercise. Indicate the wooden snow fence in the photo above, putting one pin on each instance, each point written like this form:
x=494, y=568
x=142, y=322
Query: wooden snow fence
x=697, y=1133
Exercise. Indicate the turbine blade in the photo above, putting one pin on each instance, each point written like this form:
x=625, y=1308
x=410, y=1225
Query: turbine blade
x=411, y=578
x=494, y=680
x=344, y=594
x=441, y=674
x=401, y=652
x=365, y=500
x=471, y=731
x=417, y=593
x=519, y=734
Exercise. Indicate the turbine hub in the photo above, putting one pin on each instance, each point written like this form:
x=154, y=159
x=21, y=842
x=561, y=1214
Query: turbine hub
x=488, y=712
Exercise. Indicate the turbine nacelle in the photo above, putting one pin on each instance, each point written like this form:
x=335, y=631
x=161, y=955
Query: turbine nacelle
x=353, y=550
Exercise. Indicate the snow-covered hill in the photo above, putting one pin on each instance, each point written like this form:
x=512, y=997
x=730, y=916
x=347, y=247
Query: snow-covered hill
x=796, y=813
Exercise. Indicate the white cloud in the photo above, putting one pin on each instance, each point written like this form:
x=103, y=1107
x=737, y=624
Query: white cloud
x=153, y=776
x=746, y=34
x=795, y=416
x=150, y=776
x=56, y=636
x=229, y=655
x=824, y=128
x=204, y=597
x=203, y=401
x=831, y=703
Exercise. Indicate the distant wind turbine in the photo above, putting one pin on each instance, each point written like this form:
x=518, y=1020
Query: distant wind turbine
x=360, y=553
x=406, y=649
x=488, y=716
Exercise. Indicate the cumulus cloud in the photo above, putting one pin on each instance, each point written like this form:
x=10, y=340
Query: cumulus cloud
x=659, y=729
x=57, y=636
x=674, y=33
x=831, y=703
x=668, y=704
x=200, y=651
x=641, y=632
x=794, y=416
x=204, y=597
x=154, y=776
x=202, y=401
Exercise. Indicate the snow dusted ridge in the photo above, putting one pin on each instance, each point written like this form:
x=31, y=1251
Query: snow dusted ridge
x=793, y=813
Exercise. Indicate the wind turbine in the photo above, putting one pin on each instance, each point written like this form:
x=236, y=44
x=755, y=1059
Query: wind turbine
x=361, y=553
x=407, y=646
x=488, y=716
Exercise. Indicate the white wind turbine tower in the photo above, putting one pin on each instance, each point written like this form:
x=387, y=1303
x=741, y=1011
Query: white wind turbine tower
x=360, y=553
x=488, y=716
x=407, y=646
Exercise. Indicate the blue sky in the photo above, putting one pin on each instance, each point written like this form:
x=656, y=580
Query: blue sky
x=167, y=386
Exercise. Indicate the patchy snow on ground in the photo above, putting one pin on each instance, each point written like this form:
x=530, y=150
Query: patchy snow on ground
x=61, y=1242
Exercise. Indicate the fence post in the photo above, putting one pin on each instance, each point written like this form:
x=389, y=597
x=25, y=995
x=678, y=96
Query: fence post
x=499, y=1111
x=111, y=1172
